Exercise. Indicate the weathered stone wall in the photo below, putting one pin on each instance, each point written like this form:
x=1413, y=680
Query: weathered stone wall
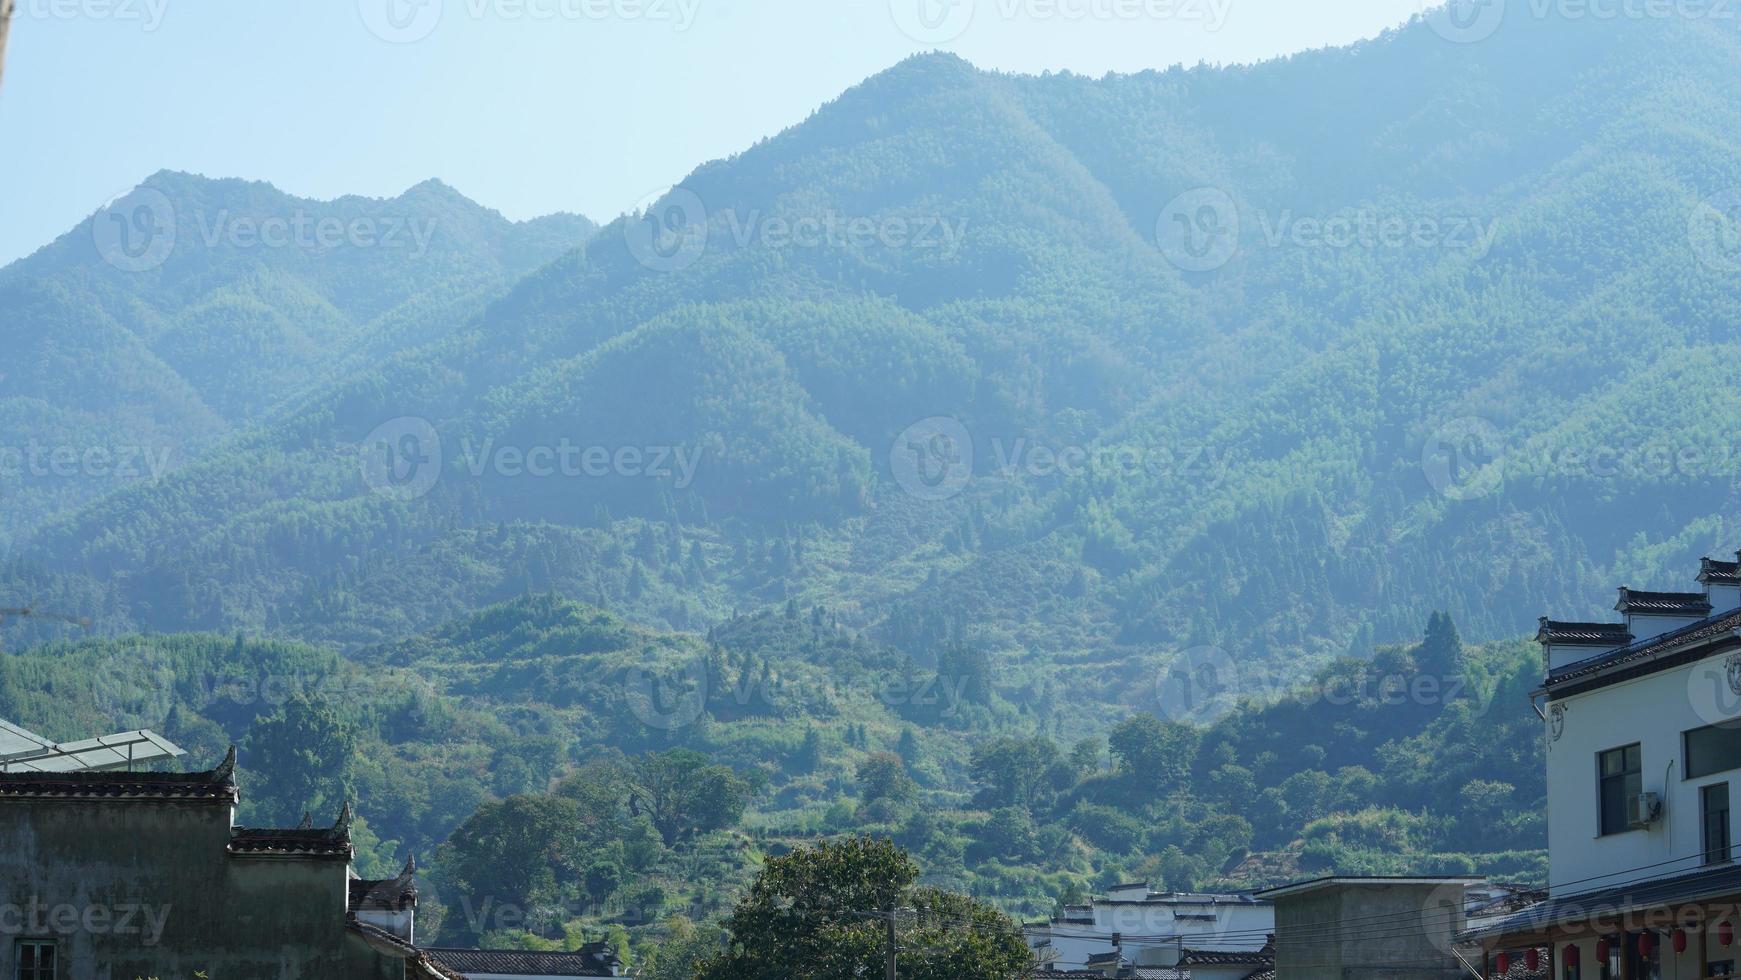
x=146, y=889
x=1385, y=931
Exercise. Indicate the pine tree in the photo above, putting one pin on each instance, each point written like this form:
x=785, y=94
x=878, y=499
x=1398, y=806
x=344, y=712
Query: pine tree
x=1441, y=649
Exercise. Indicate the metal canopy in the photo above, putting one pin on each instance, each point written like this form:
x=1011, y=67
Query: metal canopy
x=25, y=751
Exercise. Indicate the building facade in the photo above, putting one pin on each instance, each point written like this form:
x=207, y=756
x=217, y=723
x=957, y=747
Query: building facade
x=1133, y=927
x=124, y=875
x=1369, y=928
x=1642, y=727
x=117, y=875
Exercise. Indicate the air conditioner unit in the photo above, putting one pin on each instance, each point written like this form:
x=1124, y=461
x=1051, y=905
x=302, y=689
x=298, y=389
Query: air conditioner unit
x=1644, y=809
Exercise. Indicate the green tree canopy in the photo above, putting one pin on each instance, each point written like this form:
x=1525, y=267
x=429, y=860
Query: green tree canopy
x=685, y=794
x=820, y=913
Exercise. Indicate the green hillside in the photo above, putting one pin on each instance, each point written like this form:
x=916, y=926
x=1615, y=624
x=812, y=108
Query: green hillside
x=190, y=309
x=548, y=713
x=1465, y=355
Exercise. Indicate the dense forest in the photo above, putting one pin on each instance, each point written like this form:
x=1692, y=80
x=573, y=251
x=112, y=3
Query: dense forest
x=562, y=774
x=1315, y=443
x=1057, y=476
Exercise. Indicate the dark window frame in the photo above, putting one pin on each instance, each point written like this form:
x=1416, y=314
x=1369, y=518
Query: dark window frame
x=1627, y=776
x=37, y=971
x=1687, y=773
x=1708, y=846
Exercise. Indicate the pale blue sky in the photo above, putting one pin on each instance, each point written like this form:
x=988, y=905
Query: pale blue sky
x=527, y=106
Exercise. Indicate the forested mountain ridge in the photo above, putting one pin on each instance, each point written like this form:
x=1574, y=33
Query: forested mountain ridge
x=190, y=309
x=1475, y=294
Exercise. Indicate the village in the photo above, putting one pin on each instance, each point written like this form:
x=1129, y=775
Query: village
x=1641, y=718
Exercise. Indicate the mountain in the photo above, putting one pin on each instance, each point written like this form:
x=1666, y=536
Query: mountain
x=190, y=309
x=1084, y=374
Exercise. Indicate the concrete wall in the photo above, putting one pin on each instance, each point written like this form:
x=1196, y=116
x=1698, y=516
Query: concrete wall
x=1652, y=710
x=1368, y=932
x=146, y=889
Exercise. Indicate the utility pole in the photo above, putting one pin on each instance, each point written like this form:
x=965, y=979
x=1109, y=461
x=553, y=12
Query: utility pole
x=889, y=923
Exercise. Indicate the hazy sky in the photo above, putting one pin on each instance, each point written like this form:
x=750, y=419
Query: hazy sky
x=527, y=106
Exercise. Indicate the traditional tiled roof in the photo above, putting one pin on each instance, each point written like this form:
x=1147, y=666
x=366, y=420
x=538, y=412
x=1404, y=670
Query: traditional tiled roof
x=1264, y=974
x=1227, y=957
x=1715, y=626
x=310, y=843
x=1713, y=571
x=395, y=894
x=334, y=841
x=1663, y=603
x=419, y=964
x=218, y=786
x=1593, y=634
x=1706, y=884
x=591, y=960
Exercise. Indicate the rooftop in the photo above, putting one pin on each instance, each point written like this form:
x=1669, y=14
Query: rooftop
x=1709, y=628
x=386, y=894
x=1663, y=603
x=591, y=960
x=304, y=841
x=1339, y=881
x=1713, y=571
x=1180, y=898
x=1595, y=634
x=216, y=786
x=1227, y=957
x=22, y=750
x=1705, y=884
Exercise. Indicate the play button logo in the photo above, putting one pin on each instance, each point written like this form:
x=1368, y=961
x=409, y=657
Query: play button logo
x=932, y=21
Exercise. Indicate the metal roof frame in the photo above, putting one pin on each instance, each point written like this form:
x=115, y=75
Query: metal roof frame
x=25, y=751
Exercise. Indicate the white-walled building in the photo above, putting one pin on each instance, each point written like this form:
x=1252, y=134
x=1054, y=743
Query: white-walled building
x=1154, y=929
x=1642, y=725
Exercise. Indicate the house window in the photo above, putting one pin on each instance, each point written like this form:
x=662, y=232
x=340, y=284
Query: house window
x=1712, y=750
x=1622, y=779
x=34, y=961
x=1714, y=805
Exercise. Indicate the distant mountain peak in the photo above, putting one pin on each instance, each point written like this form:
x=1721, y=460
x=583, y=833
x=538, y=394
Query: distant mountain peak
x=435, y=187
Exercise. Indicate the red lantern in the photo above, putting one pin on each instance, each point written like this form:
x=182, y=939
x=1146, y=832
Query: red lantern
x=1571, y=955
x=1531, y=959
x=1645, y=941
x=1680, y=940
x=1726, y=933
x=1501, y=965
x=1602, y=949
